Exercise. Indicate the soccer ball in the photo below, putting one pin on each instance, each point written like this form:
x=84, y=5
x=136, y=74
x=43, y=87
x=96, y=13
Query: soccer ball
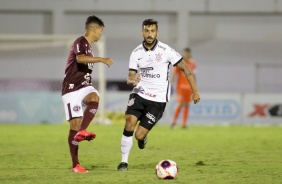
x=166, y=169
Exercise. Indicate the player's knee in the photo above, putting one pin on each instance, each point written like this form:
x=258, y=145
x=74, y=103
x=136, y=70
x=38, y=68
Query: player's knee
x=95, y=97
x=92, y=97
x=130, y=123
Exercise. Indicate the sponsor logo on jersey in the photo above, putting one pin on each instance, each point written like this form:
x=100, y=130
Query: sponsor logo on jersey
x=142, y=91
x=76, y=108
x=151, y=117
x=151, y=95
x=158, y=57
x=131, y=102
x=150, y=122
x=145, y=72
x=90, y=66
x=146, y=69
x=150, y=75
x=87, y=78
x=161, y=47
x=86, y=83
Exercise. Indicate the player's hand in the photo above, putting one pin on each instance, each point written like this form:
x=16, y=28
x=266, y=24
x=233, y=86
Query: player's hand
x=196, y=97
x=132, y=82
x=108, y=61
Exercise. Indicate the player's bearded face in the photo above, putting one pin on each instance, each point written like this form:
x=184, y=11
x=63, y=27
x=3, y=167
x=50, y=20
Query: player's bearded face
x=150, y=34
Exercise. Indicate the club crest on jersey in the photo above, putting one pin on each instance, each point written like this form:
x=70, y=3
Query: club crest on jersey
x=76, y=108
x=131, y=102
x=158, y=57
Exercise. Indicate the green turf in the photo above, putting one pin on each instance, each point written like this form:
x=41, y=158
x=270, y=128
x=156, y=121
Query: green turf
x=235, y=154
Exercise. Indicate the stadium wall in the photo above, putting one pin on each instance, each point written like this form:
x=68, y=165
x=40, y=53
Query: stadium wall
x=227, y=38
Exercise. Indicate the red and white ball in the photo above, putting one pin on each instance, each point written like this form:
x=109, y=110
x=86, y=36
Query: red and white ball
x=166, y=169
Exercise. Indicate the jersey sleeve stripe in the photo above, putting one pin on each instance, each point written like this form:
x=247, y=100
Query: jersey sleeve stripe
x=131, y=69
x=178, y=61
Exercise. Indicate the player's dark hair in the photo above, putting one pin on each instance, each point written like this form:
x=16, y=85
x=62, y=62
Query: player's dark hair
x=187, y=49
x=150, y=22
x=94, y=20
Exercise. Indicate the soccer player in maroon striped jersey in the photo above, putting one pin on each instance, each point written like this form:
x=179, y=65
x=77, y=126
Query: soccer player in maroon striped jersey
x=77, y=89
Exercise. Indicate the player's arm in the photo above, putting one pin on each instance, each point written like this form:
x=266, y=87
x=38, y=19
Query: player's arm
x=89, y=59
x=131, y=79
x=187, y=72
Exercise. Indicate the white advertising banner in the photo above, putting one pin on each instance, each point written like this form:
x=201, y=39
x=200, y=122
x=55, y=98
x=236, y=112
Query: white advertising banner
x=263, y=109
x=212, y=109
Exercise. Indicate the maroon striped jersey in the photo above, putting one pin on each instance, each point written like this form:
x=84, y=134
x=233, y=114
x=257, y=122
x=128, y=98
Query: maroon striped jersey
x=78, y=75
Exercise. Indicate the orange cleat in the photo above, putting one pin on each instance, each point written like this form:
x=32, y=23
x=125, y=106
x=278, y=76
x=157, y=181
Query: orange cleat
x=79, y=169
x=84, y=135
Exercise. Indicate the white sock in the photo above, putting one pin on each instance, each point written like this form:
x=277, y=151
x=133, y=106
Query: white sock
x=126, y=144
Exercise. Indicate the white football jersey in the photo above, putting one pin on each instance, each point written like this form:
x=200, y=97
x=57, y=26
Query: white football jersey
x=154, y=67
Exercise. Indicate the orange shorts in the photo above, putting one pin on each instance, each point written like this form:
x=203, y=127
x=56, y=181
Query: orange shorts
x=184, y=95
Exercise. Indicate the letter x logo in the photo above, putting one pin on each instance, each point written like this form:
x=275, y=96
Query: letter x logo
x=259, y=110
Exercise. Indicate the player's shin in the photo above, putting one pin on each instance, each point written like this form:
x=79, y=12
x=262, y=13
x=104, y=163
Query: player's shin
x=73, y=145
x=126, y=144
x=89, y=114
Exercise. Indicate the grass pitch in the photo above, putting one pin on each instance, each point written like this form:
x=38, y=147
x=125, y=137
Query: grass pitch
x=235, y=154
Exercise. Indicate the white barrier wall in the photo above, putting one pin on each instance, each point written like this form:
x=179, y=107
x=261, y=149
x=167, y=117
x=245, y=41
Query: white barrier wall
x=217, y=109
x=213, y=109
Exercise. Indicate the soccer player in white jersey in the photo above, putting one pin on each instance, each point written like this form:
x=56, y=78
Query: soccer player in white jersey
x=151, y=89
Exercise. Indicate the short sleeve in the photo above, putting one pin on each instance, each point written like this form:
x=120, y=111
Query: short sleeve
x=174, y=56
x=79, y=48
x=132, y=62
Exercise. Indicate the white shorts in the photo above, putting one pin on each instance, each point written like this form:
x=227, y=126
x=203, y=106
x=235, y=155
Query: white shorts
x=73, y=102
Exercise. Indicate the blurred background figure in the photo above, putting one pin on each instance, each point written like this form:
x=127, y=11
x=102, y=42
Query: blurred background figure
x=183, y=89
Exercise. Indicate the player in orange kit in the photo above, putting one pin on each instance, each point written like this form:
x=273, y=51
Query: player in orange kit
x=183, y=88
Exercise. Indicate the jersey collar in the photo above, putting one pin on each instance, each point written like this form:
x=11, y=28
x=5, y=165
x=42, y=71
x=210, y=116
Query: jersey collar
x=153, y=48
